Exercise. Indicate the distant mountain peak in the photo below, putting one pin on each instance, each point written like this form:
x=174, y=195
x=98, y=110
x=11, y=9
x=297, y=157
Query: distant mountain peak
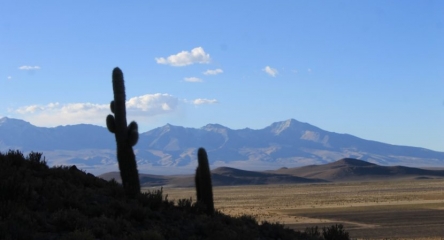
x=13, y=121
x=213, y=127
x=169, y=126
x=279, y=127
x=3, y=119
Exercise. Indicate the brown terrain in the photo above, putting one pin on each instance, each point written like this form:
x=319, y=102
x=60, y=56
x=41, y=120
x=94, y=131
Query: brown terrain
x=372, y=201
x=395, y=209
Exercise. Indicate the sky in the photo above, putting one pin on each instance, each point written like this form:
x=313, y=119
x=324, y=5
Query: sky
x=373, y=69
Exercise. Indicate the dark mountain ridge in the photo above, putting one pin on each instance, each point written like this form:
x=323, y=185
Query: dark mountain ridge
x=348, y=169
x=222, y=176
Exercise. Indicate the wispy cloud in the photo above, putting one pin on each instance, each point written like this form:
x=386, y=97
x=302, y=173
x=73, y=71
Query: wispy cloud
x=184, y=58
x=28, y=68
x=192, y=79
x=200, y=101
x=309, y=70
x=54, y=114
x=213, y=72
x=9, y=77
x=270, y=71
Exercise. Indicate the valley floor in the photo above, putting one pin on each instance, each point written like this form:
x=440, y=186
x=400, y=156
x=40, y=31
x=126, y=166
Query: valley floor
x=402, y=209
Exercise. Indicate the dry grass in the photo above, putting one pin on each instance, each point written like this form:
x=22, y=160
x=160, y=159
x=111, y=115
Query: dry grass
x=407, y=209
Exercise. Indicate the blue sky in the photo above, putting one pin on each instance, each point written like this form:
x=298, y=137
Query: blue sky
x=374, y=69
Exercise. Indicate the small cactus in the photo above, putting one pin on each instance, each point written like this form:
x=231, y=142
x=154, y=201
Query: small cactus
x=204, y=188
x=126, y=137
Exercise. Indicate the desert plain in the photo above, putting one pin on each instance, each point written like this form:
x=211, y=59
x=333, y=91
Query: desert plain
x=392, y=209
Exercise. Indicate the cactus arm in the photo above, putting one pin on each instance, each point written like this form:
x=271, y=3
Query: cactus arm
x=111, y=106
x=133, y=133
x=110, y=124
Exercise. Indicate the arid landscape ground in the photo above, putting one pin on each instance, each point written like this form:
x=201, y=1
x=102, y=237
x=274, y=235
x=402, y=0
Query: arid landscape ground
x=395, y=209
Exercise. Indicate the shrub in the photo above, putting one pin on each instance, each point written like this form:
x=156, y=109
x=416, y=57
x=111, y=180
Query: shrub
x=313, y=232
x=152, y=199
x=185, y=203
x=335, y=232
x=79, y=235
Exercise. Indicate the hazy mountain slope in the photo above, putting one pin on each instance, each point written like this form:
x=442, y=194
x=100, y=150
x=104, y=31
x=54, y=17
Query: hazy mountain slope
x=352, y=169
x=19, y=134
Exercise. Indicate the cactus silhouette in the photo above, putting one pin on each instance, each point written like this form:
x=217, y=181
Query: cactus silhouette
x=126, y=137
x=204, y=188
x=196, y=182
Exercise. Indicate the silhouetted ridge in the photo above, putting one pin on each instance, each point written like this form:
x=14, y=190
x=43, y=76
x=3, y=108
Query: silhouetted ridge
x=349, y=169
x=228, y=170
x=351, y=162
x=233, y=172
x=224, y=176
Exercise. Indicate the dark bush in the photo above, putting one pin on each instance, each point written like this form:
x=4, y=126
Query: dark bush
x=185, y=203
x=335, y=232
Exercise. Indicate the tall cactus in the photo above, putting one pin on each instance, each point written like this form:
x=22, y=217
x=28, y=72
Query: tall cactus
x=204, y=188
x=126, y=137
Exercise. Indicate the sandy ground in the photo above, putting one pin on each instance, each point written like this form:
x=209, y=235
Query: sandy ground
x=403, y=209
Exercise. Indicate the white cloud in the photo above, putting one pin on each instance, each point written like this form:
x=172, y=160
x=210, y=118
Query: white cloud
x=213, y=72
x=55, y=114
x=200, y=101
x=184, y=58
x=192, y=79
x=270, y=71
x=152, y=104
x=9, y=77
x=28, y=68
x=309, y=70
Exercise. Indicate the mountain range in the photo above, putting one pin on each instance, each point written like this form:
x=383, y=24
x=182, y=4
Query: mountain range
x=172, y=149
x=343, y=170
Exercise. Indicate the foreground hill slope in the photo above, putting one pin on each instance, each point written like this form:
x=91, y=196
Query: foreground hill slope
x=349, y=169
x=38, y=202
